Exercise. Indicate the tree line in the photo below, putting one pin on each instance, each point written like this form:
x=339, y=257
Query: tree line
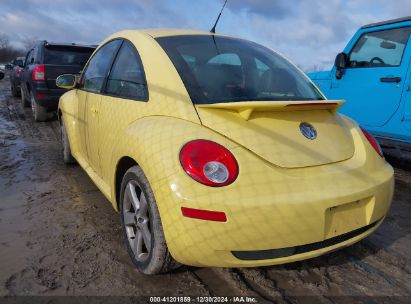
x=8, y=52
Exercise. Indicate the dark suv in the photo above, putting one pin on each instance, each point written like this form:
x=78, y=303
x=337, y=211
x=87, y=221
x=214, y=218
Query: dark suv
x=43, y=64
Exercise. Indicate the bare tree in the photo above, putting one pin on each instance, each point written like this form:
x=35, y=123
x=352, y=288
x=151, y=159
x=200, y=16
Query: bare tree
x=28, y=42
x=7, y=51
x=4, y=41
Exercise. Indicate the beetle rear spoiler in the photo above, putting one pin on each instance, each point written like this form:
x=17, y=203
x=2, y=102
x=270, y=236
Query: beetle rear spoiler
x=246, y=108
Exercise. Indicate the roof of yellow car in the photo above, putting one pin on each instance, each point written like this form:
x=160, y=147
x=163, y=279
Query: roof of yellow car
x=157, y=32
x=164, y=32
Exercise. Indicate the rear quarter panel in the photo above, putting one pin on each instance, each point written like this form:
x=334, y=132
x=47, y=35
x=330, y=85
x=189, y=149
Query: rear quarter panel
x=155, y=144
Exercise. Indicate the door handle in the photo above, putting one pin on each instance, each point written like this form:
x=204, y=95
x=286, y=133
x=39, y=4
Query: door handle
x=390, y=79
x=94, y=110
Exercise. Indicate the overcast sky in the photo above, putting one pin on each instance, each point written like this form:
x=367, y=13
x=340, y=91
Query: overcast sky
x=309, y=32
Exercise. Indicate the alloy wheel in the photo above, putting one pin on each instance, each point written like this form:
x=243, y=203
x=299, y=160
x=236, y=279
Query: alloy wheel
x=137, y=221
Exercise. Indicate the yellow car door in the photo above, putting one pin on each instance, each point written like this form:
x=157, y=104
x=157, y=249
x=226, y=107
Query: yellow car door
x=124, y=101
x=92, y=118
x=92, y=84
x=81, y=124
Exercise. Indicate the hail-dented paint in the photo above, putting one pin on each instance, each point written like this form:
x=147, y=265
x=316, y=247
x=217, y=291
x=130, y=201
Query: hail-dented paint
x=290, y=191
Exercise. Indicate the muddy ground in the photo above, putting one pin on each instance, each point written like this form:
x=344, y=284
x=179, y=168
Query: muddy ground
x=60, y=236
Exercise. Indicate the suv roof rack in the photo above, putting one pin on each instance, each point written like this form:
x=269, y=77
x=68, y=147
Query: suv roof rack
x=387, y=22
x=46, y=43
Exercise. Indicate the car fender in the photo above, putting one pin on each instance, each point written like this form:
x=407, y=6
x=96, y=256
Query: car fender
x=154, y=143
x=68, y=105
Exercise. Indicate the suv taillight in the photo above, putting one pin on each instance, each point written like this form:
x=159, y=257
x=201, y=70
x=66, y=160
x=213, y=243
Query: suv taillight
x=38, y=73
x=18, y=70
x=373, y=142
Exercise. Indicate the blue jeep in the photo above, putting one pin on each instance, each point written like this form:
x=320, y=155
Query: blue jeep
x=373, y=75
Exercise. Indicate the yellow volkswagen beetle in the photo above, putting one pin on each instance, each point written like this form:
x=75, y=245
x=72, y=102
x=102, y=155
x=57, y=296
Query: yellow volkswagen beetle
x=217, y=151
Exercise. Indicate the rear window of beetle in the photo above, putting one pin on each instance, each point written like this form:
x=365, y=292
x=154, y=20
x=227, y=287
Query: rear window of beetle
x=218, y=69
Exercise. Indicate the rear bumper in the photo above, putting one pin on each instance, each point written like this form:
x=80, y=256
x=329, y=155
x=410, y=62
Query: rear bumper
x=274, y=229
x=300, y=213
x=307, y=248
x=48, y=98
x=233, y=260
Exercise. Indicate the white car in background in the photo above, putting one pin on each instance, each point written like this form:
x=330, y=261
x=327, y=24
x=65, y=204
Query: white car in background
x=2, y=71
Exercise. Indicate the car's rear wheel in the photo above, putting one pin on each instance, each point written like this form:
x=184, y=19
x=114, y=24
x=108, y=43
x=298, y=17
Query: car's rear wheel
x=142, y=226
x=39, y=112
x=24, y=101
x=67, y=156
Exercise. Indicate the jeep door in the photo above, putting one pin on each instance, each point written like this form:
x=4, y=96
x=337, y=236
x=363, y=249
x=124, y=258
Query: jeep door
x=373, y=81
x=406, y=115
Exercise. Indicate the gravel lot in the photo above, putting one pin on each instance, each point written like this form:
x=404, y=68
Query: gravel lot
x=60, y=236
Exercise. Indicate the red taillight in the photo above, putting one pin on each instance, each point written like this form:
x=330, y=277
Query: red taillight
x=373, y=142
x=41, y=95
x=209, y=163
x=38, y=73
x=18, y=70
x=206, y=215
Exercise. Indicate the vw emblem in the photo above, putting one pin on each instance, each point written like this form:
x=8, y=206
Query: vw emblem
x=308, y=130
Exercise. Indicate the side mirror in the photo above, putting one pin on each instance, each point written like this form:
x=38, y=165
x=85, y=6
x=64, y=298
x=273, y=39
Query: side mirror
x=340, y=63
x=66, y=81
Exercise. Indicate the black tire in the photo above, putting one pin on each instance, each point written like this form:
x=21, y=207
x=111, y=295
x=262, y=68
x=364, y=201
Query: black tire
x=67, y=156
x=14, y=91
x=155, y=258
x=39, y=112
x=24, y=102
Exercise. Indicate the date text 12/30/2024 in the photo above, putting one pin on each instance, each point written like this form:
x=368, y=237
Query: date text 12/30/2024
x=206, y=299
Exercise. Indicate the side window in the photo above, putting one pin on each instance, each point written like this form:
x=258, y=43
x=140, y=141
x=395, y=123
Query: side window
x=26, y=60
x=97, y=69
x=33, y=53
x=261, y=67
x=191, y=61
x=29, y=57
x=380, y=49
x=127, y=78
x=226, y=58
